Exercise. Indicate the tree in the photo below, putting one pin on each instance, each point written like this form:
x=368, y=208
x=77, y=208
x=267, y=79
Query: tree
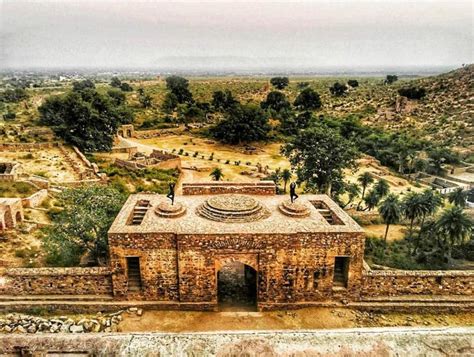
x=413, y=208
x=280, y=82
x=412, y=92
x=382, y=188
x=439, y=156
x=286, y=176
x=217, y=174
x=455, y=227
x=169, y=103
x=117, y=96
x=458, y=197
x=81, y=85
x=13, y=95
x=353, y=191
x=308, y=99
x=321, y=155
x=125, y=87
x=338, y=89
x=431, y=201
x=242, y=124
x=391, y=78
x=223, y=100
x=115, y=82
x=86, y=118
x=365, y=180
x=372, y=200
x=145, y=100
x=82, y=225
x=353, y=83
x=390, y=211
x=276, y=101
x=179, y=86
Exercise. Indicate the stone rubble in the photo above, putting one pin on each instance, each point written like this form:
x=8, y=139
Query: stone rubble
x=21, y=323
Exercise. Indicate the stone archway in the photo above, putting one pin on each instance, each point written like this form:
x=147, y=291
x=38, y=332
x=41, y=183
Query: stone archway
x=236, y=287
x=18, y=217
x=8, y=219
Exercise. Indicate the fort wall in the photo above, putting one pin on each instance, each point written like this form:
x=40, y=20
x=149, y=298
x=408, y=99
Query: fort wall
x=213, y=188
x=56, y=281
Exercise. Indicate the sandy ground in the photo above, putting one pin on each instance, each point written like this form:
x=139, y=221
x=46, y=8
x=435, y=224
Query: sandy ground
x=49, y=163
x=309, y=318
x=395, y=232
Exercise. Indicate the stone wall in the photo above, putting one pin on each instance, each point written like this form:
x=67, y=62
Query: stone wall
x=35, y=199
x=401, y=282
x=27, y=146
x=56, y=281
x=213, y=188
x=291, y=268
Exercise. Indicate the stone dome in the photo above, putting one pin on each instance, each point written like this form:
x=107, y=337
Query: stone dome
x=232, y=208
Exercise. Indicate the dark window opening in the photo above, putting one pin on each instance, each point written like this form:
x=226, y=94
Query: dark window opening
x=439, y=280
x=316, y=276
x=133, y=274
x=341, y=272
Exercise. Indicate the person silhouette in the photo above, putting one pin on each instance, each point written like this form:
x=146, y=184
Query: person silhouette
x=170, y=194
x=293, y=195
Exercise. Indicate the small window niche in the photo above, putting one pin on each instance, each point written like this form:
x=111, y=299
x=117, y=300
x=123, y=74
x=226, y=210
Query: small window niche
x=341, y=272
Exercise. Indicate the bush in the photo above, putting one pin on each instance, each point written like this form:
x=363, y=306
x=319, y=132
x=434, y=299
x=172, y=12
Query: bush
x=412, y=92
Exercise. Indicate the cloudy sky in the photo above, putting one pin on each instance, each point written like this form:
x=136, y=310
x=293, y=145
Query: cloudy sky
x=151, y=34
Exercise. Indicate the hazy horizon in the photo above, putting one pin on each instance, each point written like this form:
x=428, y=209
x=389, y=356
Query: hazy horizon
x=236, y=36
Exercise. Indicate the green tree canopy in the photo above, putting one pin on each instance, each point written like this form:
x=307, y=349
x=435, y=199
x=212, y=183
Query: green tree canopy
x=308, y=99
x=82, y=225
x=391, y=78
x=458, y=197
x=223, y=100
x=85, y=118
x=353, y=83
x=320, y=154
x=179, y=86
x=276, y=101
x=338, y=89
x=455, y=227
x=280, y=82
x=81, y=85
x=13, y=95
x=242, y=123
x=390, y=210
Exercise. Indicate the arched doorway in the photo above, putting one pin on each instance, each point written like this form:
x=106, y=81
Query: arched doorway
x=18, y=217
x=237, y=287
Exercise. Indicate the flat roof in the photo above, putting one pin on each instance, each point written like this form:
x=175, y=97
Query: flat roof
x=191, y=222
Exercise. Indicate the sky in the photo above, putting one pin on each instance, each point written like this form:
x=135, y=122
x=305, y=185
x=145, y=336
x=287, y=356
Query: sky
x=218, y=34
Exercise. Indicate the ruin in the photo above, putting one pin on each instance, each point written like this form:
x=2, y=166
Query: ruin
x=274, y=253
x=11, y=213
x=9, y=171
x=157, y=159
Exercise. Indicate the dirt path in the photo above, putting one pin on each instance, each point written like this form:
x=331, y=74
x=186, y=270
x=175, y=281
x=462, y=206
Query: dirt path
x=309, y=318
x=395, y=232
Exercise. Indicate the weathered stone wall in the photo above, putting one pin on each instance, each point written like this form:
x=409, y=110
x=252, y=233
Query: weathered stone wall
x=213, y=188
x=286, y=265
x=27, y=146
x=400, y=282
x=56, y=281
x=35, y=199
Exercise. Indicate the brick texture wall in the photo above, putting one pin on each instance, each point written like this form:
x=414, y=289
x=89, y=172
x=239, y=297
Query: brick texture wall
x=213, y=188
x=56, y=281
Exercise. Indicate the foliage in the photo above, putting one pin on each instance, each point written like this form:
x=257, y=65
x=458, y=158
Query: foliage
x=82, y=226
x=458, y=197
x=412, y=92
x=391, y=78
x=390, y=211
x=291, y=123
x=353, y=83
x=115, y=82
x=85, y=118
x=276, y=101
x=320, y=154
x=81, y=85
x=223, y=100
x=454, y=227
x=382, y=188
x=372, y=199
x=307, y=99
x=217, y=174
x=13, y=95
x=145, y=99
x=169, y=103
x=338, y=89
x=365, y=179
x=179, y=86
x=439, y=156
x=280, y=82
x=286, y=177
x=242, y=123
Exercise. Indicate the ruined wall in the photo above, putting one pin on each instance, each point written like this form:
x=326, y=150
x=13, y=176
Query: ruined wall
x=26, y=146
x=400, y=282
x=35, y=199
x=213, y=188
x=52, y=281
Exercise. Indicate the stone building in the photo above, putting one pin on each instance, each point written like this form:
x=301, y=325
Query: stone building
x=11, y=213
x=240, y=245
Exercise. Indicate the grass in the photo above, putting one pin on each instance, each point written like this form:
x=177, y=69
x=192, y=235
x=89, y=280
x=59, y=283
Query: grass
x=16, y=189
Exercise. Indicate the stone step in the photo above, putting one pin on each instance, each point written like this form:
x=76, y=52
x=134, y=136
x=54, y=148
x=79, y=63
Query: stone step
x=56, y=297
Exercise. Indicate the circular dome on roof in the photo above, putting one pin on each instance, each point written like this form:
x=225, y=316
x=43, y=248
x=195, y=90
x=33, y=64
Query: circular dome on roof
x=232, y=209
x=166, y=210
x=294, y=209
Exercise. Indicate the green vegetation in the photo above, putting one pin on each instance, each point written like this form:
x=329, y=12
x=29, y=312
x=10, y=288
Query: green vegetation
x=280, y=82
x=81, y=225
x=16, y=189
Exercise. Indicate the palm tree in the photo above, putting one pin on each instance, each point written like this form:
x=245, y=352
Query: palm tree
x=458, y=197
x=413, y=208
x=365, y=180
x=382, y=188
x=217, y=174
x=372, y=200
x=353, y=191
x=286, y=176
x=455, y=227
x=390, y=211
x=431, y=202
